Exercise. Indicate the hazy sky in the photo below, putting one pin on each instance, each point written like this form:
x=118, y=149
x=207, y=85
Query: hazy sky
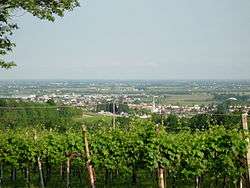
x=137, y=39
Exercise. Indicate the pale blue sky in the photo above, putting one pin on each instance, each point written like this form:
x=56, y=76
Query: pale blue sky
x=137, y=39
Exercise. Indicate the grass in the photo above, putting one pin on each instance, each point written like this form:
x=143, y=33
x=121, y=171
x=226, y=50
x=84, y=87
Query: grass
x=193, y=99
x=93, y=118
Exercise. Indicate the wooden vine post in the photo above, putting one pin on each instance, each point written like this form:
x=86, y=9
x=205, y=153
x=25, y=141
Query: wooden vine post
x=39, y=166
x=27, y=174
x=70, y=157
x=161, y=177
x=61, y=170
x=197, y=182
x=160, y=170
x=89, y=165
x=245, y=127
x=68, y=172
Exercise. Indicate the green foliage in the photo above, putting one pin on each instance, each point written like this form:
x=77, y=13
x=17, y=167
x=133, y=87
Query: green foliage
x=200, y=122
x=172, y=121
x=16, y=114
x=156, y=118
x=123, y=121
x=203, y=150
x=217, y=152
x=141, y=111
x=108, y=107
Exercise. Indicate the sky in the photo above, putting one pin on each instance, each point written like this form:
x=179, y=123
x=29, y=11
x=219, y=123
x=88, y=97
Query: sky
x=136, y=39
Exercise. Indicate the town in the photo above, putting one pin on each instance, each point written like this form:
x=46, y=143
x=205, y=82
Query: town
x=182, y=98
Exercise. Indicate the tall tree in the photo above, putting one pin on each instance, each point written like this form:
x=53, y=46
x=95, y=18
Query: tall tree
x=43, y=9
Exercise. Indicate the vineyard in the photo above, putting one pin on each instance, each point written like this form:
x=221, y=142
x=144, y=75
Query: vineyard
x=43, y=145
x=140, y=154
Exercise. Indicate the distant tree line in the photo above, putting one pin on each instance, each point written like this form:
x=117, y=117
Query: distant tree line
x=17, y=114
x=199, y=122
x=110, y=107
